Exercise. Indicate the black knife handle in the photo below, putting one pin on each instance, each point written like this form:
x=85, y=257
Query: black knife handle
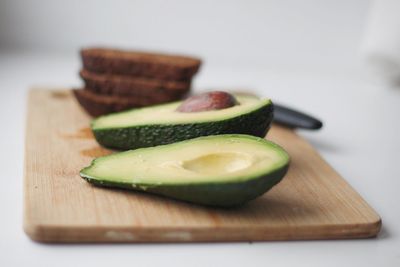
x=295, y=119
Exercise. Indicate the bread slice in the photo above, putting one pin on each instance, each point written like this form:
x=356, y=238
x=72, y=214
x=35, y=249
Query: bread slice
x=142, y=64
x=96, y=104
x=122, y=85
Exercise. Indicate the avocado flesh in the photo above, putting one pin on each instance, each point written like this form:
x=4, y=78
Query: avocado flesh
x=163, y=124
x=221, y=170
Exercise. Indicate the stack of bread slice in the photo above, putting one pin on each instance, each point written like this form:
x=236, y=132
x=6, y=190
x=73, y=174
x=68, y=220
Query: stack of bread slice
x=117, y=80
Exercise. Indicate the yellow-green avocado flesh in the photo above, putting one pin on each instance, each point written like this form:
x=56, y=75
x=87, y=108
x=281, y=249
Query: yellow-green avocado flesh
x=163, y=124
x=219, y=170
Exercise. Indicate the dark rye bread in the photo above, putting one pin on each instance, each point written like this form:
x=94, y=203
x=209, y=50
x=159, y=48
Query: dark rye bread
x=96, y=104
x=122, y=85
x=143, y=64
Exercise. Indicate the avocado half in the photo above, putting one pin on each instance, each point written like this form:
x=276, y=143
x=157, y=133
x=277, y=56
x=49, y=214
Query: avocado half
x=220, y=170
x=163, y=124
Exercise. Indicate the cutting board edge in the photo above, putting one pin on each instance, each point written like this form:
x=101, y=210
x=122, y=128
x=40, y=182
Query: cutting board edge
x=110, y=234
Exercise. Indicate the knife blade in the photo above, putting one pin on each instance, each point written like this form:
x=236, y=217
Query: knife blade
x=295, y=119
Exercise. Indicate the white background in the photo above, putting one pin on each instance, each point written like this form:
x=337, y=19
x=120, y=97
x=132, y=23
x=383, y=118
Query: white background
x=265, y=33
x=301, y=53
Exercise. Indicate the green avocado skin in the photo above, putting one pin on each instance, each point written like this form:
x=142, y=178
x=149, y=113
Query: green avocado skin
x=256, y=123
x=210, y=194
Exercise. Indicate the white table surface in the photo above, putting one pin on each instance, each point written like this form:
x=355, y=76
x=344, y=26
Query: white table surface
x=360, y=140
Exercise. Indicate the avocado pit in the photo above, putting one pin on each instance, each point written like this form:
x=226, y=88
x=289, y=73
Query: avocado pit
x=208, y=101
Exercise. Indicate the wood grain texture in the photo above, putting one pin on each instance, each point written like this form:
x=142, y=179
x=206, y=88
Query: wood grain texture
x=312, y=201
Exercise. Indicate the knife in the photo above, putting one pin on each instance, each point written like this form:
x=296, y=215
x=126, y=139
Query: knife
x=288, y=117
x=295, y=119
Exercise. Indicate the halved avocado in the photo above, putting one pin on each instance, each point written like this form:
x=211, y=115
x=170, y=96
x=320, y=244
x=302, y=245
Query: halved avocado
x=220, y=170
x=163, y=124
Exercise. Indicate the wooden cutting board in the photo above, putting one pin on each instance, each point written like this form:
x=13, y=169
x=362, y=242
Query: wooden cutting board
x=312, y=201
